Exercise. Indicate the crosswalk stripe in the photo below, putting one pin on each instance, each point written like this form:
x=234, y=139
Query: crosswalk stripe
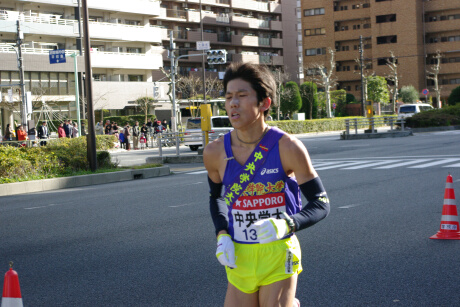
x=402, y=164
x=434, y=163
x=372, y=164
x=453, y=165
x=341, y=165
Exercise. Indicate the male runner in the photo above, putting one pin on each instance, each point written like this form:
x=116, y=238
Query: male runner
x=255, y=225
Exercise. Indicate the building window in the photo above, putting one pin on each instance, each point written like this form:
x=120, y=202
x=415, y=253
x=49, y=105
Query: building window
x=384, y=61
x=312, y=12
x=366, y=5
x=392, y=39
x=135, y=78
x=366, y=26
x=382, y=0
x=356, y=27
x=385, y=18
x=317, y=31
x=315, y=51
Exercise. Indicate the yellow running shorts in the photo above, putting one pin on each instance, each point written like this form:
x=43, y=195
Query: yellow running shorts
x=263, y=264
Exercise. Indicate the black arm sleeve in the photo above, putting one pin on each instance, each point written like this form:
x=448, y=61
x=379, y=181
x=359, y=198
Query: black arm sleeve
x=217, y=206
x=317, y=207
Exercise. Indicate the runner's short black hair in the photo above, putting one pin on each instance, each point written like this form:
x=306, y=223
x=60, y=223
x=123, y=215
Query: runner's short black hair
x=259, y=76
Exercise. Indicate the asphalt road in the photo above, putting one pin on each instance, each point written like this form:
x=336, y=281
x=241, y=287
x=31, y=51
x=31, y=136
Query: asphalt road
x=151, y=243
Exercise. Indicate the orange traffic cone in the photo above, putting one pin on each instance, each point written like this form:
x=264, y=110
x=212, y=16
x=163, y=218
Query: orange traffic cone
x=449, y=229
x=11, y=291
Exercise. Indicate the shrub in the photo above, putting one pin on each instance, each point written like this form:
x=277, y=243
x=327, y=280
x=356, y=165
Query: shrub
x=436, y=118
x=454, y=97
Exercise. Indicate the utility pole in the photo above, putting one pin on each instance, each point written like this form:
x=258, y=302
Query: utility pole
x=91, y=136
x=173, y=80
x=79, y=40
x=361, y=61
x=203, y=59
x=20, y=37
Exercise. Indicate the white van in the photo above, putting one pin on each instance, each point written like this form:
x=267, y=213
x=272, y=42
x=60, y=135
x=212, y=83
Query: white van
x=193, y=134
x=409, y=109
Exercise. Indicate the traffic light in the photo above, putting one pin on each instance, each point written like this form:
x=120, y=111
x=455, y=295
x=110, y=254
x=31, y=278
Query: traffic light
x=217, y=56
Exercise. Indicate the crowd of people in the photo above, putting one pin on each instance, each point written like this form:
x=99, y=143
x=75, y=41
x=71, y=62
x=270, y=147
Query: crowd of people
x=137, y=135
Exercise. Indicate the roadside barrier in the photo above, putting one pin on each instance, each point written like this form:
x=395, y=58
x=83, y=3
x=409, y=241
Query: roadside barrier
x=11, y=291
x=449, y=229
x=372, y=123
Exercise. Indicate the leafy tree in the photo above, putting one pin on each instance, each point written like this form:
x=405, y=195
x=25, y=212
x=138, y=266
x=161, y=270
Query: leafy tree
x=408, y=94
x=350, y=98
x=308, y=92
x=377, y=90
x=291, y=101
x=454, y=96
x=339, y=97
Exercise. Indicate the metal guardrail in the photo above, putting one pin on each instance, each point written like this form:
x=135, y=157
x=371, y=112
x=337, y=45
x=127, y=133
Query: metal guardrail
x=372, y=122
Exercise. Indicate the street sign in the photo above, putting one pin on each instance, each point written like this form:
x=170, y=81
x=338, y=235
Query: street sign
x=425, y=92
x=57, y=56
x=203, y=45
x=29, y=102
x=10, y=95
x=334, y=105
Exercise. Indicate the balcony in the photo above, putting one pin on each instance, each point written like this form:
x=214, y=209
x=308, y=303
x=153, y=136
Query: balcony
x=440, y=5
x=275, y=7
x=251, y=58
x=351, y=34
x=277, y=42
x=248, y=22
x=47, y=24
x=176, y=15
x=149, y=61
x=449, y=68
x=276, y=25
x=441, y=26
x=444, y=46
x=271, y=60
x=132, y=6
x=194, y=36
x=349, y=55
x=363, y=13
x=250, y=5
x=240, y=40
x=347, y=76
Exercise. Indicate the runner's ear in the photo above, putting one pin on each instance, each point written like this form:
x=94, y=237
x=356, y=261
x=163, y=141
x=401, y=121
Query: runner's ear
x=265, y=104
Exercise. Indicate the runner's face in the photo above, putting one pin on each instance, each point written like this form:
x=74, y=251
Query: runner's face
x=241, y=103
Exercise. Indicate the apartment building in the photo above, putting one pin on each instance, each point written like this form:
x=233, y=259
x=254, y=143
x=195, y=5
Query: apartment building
x=250, y=31
x=414, y=30
x=124, y=51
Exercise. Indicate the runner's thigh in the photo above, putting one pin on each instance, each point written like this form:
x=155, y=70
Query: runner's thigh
x=237, y=298
x=280, y=293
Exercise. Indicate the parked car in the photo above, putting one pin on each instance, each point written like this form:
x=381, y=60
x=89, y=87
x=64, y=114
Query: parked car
x=409, y=109
x=194, y=136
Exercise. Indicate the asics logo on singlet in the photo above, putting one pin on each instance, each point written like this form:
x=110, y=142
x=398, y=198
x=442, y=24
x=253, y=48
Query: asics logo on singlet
x=269, y=171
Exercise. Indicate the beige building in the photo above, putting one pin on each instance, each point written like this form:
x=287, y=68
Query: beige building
x=125, y=50
x=414, y=30
x=250, y=31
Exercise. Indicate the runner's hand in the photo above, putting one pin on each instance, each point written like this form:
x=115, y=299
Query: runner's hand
x=269, y=230
x=225, y=252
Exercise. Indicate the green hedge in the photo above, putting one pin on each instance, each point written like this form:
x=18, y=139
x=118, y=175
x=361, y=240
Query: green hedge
x=314, y=125
x=58, y=158
x=448, y=116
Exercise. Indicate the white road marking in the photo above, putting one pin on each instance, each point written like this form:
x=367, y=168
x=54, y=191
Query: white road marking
x=41, y=207
x=402, y=164
x=434, y=163
x=180, y=206
x=342, y=164
x=350, y=206
x=371, y=164
x=198, y=172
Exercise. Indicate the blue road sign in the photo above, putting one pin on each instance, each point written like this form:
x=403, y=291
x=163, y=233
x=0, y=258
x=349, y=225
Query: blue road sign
x=57, y=56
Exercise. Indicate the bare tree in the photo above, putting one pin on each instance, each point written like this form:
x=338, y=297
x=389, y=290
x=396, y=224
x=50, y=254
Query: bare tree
x=393, y=76
x=214, y=87
x=190, y=86
x=280, y=77
x=433, y=73
x=324, y=79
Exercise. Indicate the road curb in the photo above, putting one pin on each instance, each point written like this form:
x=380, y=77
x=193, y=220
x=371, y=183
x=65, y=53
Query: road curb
x=34, y=186
x=175, y=159
x=379, y=135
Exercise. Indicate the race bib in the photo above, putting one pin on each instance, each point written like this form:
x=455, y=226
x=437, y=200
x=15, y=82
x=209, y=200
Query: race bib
x=249, y=209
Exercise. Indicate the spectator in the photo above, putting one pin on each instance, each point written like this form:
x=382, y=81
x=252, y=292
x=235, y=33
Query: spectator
x=115, y=129
x=8, y=133
x=136, y=136
x=142, y=140
x=22, y=134
x=145, y=131
x=75, y=130
x=67, y=128
x=159, y=127
x=43, y=133
x=71, y=128
x=165, y=125
x=121, y=138
x=99, y=128
x=127, y=135
x=108, y=127
x=61, y=132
